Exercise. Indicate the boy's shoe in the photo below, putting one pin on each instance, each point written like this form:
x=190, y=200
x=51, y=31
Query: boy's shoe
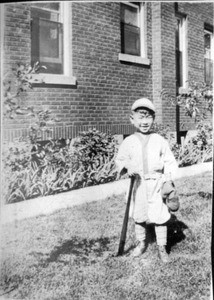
x=139, y=249
x=163, y=254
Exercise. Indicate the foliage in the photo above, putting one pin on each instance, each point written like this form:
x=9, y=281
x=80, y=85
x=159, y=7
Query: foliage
x=204, y=135
x=197, y=99
x=195, y=149
x=161, y=129
x=33, y=168
x=93, y=151
x=18, y=157
x=54, y=167
x=58, y=166
x=15, y=83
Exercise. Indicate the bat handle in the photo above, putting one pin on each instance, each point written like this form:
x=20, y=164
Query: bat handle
x=125, y=220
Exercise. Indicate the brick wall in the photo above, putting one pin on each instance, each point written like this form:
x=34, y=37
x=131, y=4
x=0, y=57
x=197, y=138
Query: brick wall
x=197, y=14
x=157, y=60
x=106, y=87
x=168, y=22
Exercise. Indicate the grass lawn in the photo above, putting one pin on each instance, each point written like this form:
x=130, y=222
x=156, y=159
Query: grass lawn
x=70, y=254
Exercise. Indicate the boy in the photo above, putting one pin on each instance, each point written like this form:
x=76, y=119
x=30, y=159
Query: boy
x=147, y=156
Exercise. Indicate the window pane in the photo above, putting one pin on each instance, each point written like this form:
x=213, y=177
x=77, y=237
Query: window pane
x=208, y=72
x=50, y=5
x=177, y=35
x=129, y=15
x=47, y=45
x=44, y=14
x=207, y=45
x=208, y=63
x=130, y=29
x=50, y=46
x=180, y=52
x=130, y=39
x=47, y=37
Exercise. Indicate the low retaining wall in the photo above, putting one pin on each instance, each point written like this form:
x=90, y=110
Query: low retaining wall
x=49, y=204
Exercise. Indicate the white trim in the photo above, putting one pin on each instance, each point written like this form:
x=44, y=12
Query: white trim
x=142, y=59
x=45, y=8
x=67, y=49
x=143, y=52
x=212, y=46
x=134, y=59
x=67, y=77
x=211, y=42
x=53, y=79
x=183, y=48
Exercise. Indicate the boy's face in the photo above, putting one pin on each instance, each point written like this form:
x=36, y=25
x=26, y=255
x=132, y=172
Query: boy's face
x=142, y=119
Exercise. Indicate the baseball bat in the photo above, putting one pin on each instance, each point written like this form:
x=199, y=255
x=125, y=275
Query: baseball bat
x=125, y=220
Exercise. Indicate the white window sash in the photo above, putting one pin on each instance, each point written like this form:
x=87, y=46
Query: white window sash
x=183, y=48
x=143, y=51
x=67, y=77
x=142, y=59
x=211, y=42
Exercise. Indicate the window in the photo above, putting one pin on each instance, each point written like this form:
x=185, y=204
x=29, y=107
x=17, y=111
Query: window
x=130, y=29
x=50, y=36
x=208, y=56
x=181, y=53
x=132, y=25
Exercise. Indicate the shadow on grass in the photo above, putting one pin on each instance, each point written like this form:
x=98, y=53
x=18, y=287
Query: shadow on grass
x=202, y=194
x=81, y=248
x=175, y=232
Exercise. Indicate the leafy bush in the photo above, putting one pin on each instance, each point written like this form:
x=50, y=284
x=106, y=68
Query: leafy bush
x=94, y=152
x=161, y=129
x=197, y=99
x=16, y=82
x=33, y=170
x=55, y=167
x=196, y=149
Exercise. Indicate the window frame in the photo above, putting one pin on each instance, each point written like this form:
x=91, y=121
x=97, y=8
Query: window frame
x=142, y=58
x=67, y=77
x=182, y=32
x=210, y=32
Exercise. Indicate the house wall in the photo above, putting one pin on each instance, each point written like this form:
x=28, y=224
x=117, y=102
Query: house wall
x=106, y=87
x=197, y=15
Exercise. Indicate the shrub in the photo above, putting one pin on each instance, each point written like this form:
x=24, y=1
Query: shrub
x=58, y=166
x=196, y=149
x=94, y=152
x=197, y=99
x=161, y=129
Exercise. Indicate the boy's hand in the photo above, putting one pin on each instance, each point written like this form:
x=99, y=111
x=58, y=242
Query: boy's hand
x=167, y=188
x=132, y=169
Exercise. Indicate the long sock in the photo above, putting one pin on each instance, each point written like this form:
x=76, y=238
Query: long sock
x=140, y=231
x=161, y=234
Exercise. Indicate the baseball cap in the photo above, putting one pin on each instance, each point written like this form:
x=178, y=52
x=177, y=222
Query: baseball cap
x=143, y=102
